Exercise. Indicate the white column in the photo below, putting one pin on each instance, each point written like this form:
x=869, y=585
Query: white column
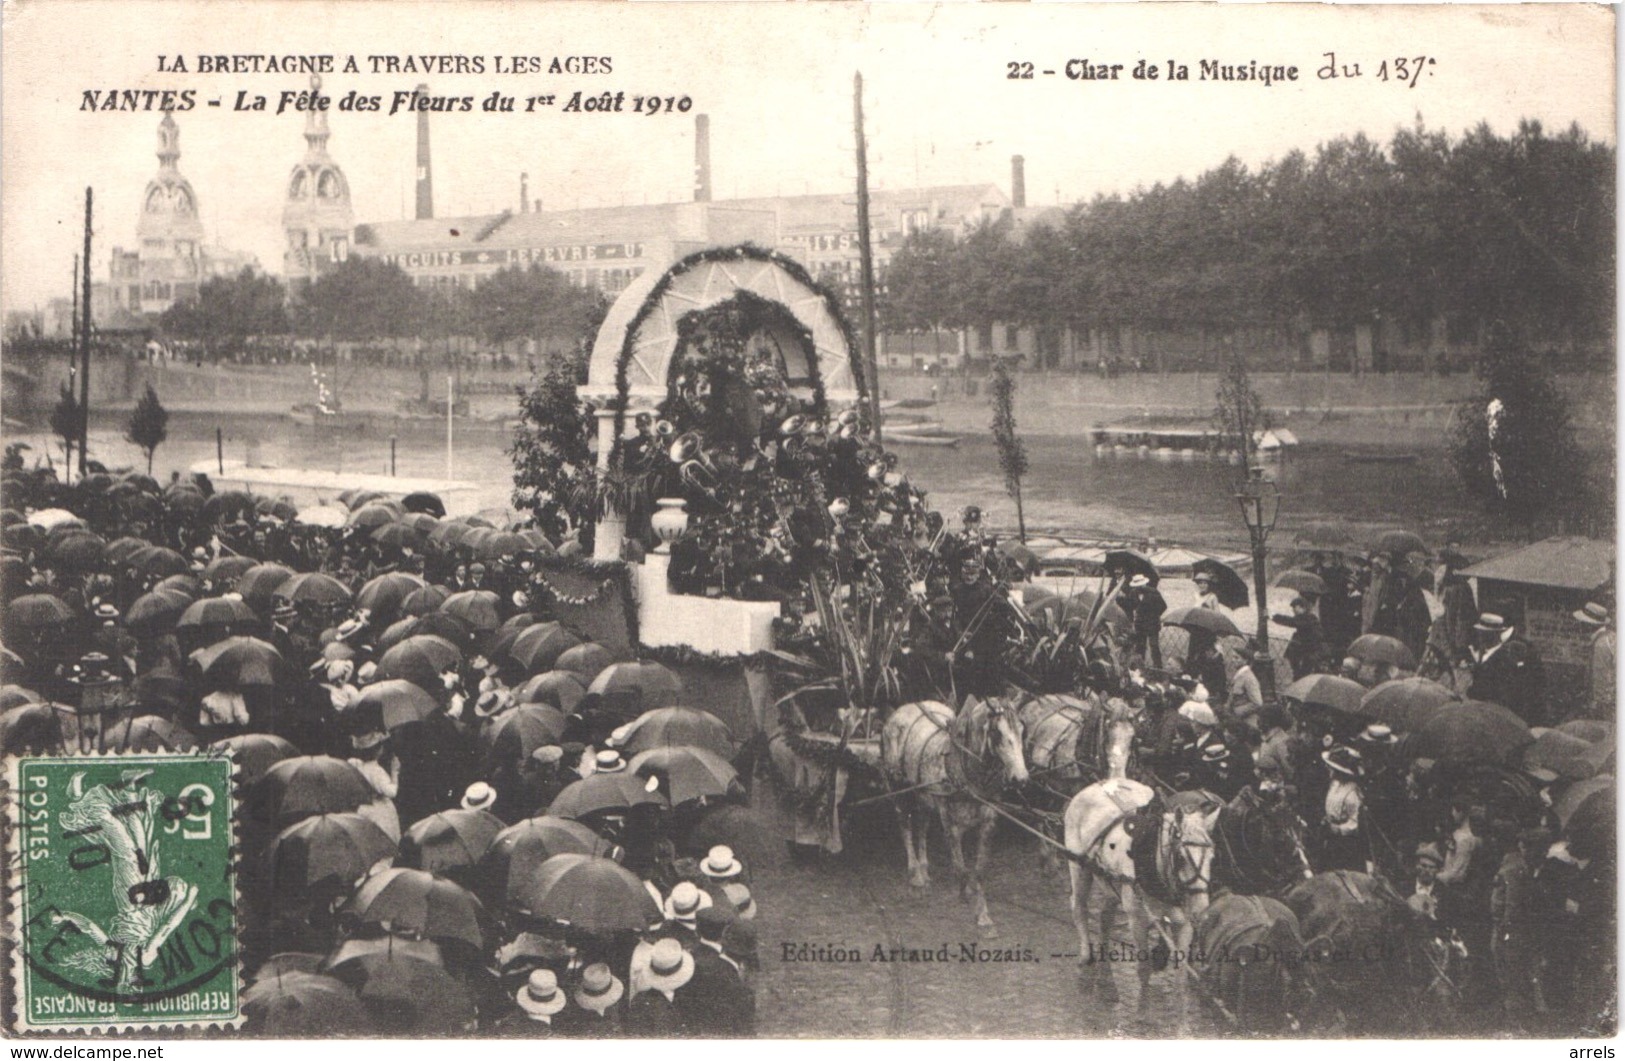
x=611, y=528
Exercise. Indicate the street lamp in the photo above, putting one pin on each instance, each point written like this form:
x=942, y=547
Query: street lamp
x=1260, y=502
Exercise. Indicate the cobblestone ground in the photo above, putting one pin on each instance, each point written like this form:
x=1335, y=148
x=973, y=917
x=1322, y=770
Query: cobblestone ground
x=860, y=899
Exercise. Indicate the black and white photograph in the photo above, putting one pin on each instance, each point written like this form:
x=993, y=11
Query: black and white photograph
x=872, y=521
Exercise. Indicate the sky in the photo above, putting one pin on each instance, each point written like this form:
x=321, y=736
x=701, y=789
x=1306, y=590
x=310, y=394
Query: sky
x=776, y=81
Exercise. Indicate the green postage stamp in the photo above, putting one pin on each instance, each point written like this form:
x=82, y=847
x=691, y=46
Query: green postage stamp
x=123, y=899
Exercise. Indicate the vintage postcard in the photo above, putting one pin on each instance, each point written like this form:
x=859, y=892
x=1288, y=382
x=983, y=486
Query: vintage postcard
x=862, y=521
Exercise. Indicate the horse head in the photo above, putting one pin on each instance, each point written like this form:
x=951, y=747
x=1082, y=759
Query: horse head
x=1118, y=747
x=995, y=726
x=1189, y=856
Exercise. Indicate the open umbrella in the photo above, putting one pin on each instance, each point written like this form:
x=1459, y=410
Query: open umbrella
x=1084, y=603
x=478, y=608
x=421, y=522
x=224, y=571
x=217, y=611
x=598, y=793
x=424, y=600
x=383, y=595
x=187, y=583
x=259, y=584
x=670, y=727
x=561, y=689
x=156, y=561
x=148, y=733
x=1302, y=582
x=155, y=614
x=447, y=627
x=52, y=518
x=1589, y=729
x=523, y=729
x=1380, y=648
x=633, y=688
x=537, y=648
x=1404, y=703
x=535, y=541
x=33, y=729
x=119, y=550
x=254, y=754
x=371, y=516
x=1562, y=754
x=314, y=587
x=423, y=501
x=1469, y=732
x=410, y=900
x=500, y=544
x=80, y=552
x=1399, y=544
x=587, y=893
x=339, y=848
x=13, y=695
x=1574, y=796
x=396, y=536
x=297, y=788
x=329, y=516
x=397, y=702
x=1342, y=695
x=294, y=1005
x=228, y=506
x=1133, y=563
x=586, y=661
x=387, y=945
x=450, y=534
x=687, y=773
x=240, y=661
x=1229, y=587
x=276, y=508
x=450, y=840
x=38, y=611
x=517, y=852
x=1591, y=827
x=420, y=660
x=1214, y=622
x=410, y=997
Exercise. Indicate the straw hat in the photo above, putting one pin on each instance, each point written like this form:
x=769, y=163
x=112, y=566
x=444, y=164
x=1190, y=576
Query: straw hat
x=721, y=864
x=1377, y=733
x=479, y=796
x=608, y=761
x=541, y=996
x=1199, y=713
x=739, y=895
x=1592, y=614
x=599, y=989
x=685, y=902
x=1430, y=853
x=1342, y=760
x=1490, y=623
x=664, y=965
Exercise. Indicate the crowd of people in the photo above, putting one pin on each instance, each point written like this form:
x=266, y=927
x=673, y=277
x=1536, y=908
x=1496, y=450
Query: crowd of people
x=409, y=720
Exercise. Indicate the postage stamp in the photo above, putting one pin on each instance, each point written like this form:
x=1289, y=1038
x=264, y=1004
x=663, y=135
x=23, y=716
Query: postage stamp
x=123, y=900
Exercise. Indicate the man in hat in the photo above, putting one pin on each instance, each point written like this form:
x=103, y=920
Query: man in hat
x=716, y=1003
x=479, y=796
x=982, y=628
x=1306, y=651
x=1506, y=669
x=1390, y=818
x=540, y=1000
x=1514, y=942
x=1424, y=897
x=681, y=908
x=1145, y=605
x=1601, y=654
x=1275, y=762
x=658, y=971
x=595, y=1013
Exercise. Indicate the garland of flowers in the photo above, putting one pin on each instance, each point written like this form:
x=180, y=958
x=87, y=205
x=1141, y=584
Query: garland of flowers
x=610, y=572
x=688, y=656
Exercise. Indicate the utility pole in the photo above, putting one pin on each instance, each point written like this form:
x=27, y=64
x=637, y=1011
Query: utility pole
x=84, y=347
x=73, y=361
x=866, y=259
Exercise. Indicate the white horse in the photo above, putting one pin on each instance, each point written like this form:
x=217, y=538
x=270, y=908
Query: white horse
x=1165, y=877
x=945, y=762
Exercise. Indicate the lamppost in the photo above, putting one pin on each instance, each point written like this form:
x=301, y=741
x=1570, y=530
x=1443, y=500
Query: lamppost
x=1260, y=503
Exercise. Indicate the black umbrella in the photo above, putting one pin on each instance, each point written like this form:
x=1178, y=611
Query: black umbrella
x=479, y=609
x=423, y=501
x=1380, y=648
x=38, y=611
x=521, y=730
x=424, y=601
x=155, y=614
x=33, y=729
x=338, y=848
x=229, y=506
x=420, y=660
x=1342, y=695
x=1132, y=562
x=686, y=773
x=217, y=611
x=1399, y=544
x=80, y=553
x=1592, y=826
x=383, y=595
x=410, y=900
x=158, y=561
x=537, y=648
x=1469, y=732
x=586, y=893
x=371, y=516
x=297, y=788
x=449, y=841
x=238, y=662
x=1229, y=587
x=598, y=793
x=149, y=733
x=259, y=584
x=183, y=583
x=1214, y=622
x=224, y=571
x=254, y=754
x=118, y=551
x=671, y=727
x=294, y=1005
x=314, y=587
x=1302, y=582
x=561, y=689
x=396, y=536
x=517, y=852
x=397, y=702
x=586, y=661
x=406, y=996
x=1405, y=702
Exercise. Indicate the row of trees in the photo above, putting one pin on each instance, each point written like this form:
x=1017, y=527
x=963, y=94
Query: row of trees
x=1470, y=229
x=365, y=299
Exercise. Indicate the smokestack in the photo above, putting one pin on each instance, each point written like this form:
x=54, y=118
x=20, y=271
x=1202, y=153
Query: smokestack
x=1018, y=180
x=524, y=192
x=702, y=158
x=425, y=182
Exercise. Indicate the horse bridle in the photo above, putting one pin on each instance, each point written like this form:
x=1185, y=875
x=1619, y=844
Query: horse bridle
x=1202, y=880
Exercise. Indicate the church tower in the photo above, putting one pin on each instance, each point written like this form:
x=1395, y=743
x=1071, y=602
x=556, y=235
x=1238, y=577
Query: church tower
x=317, y=218
x=167, y=267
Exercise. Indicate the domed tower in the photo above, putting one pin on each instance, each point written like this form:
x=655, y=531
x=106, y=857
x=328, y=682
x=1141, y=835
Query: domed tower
x=170, y=230
x=317, y=217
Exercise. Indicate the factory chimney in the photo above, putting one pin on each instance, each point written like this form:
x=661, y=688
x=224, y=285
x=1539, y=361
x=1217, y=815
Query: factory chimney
x=702, y=158
x=425, y=182
x=524, y=193
x=1018, y=181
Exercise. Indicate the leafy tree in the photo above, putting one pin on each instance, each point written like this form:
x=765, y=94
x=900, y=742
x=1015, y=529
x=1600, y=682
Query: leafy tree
x=554, y=473
x=919, y=282
x=66, y=418
x=533, y=303
x=148, y=426
x=1514, y=446
x=1239, y=415
x=227, y=310
x=362, y=298
x=1012, y=452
